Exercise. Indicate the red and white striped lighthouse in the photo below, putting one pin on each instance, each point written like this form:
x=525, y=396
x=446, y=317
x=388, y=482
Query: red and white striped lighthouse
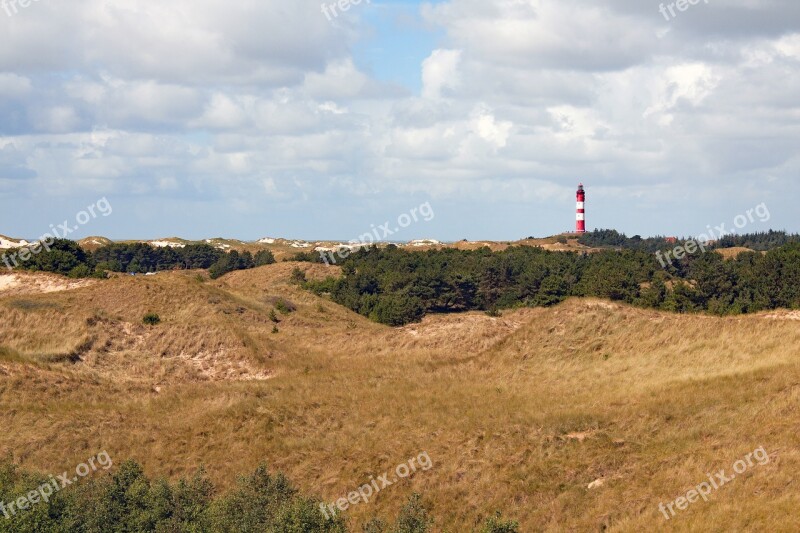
x=580, y=217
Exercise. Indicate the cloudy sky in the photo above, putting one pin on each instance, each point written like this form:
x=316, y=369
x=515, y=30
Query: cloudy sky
x=204, y=118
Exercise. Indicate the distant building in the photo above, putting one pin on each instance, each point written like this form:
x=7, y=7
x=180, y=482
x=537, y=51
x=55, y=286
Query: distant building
x=580, y=217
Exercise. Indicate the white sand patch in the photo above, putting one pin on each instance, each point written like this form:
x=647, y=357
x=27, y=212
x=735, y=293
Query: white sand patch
x=8, y=281
x=266, y=240
x=424, y=242
x=352, y=247
x=39, y=283
x=166, y=244
x=5, y=244
x=597, y=483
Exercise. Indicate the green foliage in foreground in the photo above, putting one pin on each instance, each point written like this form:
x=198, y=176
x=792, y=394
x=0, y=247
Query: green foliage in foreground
x=395, y=287
x=127, y=501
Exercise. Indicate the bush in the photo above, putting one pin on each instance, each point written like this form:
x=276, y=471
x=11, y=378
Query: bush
x=397, y=310
x=413, y=517
x=220, y=268
x=151, y=319
x=495, y=524
x=81, y=271
x=298, y=276
x=264, y=257
x=284, y=307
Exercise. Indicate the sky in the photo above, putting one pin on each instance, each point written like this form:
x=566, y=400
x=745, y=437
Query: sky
x=296, y=119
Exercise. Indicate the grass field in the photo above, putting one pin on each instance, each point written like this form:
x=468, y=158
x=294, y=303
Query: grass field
x=520, y=413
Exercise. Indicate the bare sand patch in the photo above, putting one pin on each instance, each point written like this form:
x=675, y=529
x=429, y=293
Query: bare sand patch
x=39, y=283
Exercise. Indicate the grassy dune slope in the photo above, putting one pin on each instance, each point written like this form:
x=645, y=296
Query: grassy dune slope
x=519, y=413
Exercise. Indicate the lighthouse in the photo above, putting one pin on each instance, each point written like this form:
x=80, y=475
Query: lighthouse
x=580, y=216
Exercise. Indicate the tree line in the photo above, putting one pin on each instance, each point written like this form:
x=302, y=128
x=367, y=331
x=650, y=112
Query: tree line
x=128, y=501
x=66, y=257
x=396, y=287
x=759, y=241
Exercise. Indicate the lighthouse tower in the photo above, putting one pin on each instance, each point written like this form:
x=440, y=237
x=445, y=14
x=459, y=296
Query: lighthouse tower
x=580, y=217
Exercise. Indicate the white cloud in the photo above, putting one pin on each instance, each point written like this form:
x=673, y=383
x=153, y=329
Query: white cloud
x=340, y=79
x=440, y=71
x=691, y=83
x=331, y=107
x=222, y=112
x=789, y=46
x=489, y=129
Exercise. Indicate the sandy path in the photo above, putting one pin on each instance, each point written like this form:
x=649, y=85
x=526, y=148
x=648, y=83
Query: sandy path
x=8, y=281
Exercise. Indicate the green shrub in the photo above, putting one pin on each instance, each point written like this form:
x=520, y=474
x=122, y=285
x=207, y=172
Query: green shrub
x=298, y=276
x=151, y=319
x=220, y=268
x=264, y=257
x=496, y=524
x=397, y=310
x=413, y=517
x=285, y=307
x=80, y=271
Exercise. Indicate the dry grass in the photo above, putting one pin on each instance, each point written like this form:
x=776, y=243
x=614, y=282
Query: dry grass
x=519, y=413
x=733, y=252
